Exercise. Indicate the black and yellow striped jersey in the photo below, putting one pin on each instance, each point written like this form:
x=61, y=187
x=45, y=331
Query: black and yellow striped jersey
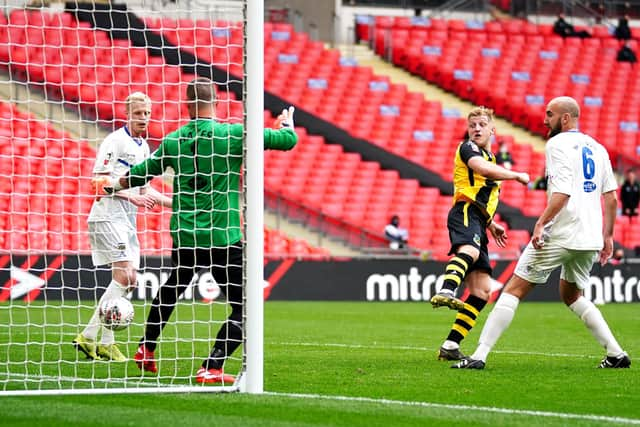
x=471, y=186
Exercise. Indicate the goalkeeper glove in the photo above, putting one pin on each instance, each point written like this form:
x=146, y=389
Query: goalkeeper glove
x=285, y=119
x=105, y=186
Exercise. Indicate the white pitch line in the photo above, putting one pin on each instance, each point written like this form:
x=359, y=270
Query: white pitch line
x=507, y=411
x=22, y=334
x=412, y=348
x=404, y=347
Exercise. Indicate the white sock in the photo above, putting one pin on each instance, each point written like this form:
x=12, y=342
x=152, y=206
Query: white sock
x=450, y=345
x=498, y=321
x=114, y=290
x=593, y=320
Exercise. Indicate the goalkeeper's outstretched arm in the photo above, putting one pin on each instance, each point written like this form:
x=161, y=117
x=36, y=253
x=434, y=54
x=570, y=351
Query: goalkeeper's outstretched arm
x=107, y=186
x=142, y=200
x=137, y=176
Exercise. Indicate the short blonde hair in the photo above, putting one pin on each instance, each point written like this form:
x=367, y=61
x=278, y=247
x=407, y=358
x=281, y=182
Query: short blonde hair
x=140, y=97
x=481, y=111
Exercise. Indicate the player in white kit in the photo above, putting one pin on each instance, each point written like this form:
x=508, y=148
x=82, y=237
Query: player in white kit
x=567, y=234
x=112, y=221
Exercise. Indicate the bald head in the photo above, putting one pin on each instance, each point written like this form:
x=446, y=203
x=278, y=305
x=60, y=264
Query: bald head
x=561, y=115
x=566, y=104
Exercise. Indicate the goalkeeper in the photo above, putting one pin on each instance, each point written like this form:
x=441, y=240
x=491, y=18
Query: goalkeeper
x=206, y=157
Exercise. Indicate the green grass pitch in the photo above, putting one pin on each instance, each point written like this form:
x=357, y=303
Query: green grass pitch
x=335, y=364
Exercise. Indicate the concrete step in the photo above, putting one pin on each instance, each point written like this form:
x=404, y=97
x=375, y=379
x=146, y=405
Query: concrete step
x=295, y=229
x=359, y=52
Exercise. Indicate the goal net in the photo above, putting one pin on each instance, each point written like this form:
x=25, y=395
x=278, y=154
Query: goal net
x=65, y=72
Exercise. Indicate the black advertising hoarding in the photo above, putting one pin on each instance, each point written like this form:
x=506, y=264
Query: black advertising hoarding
x=368, y=280
x=73, y=277
x=414, y=280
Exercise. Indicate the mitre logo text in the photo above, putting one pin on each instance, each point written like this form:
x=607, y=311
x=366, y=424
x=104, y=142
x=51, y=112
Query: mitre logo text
x=202, y=285
x=403, y=287
x=416, y=287
x=614, y=288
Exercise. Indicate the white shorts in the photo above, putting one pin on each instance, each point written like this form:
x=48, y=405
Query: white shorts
x=112, y=242
x=536, y=265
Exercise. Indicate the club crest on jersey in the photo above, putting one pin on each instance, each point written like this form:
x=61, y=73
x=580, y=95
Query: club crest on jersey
x=121, y=249
x=107, y=159
x=474, y=147
x=476, y=239
x=550, y=179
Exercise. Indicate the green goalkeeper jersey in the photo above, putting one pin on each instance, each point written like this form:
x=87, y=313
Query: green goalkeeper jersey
x=206, y=157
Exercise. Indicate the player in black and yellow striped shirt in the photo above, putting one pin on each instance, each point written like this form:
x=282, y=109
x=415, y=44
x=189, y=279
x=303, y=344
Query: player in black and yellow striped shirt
x=476, y=181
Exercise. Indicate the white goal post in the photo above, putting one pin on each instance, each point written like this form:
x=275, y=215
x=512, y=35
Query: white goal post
x=254, y=307
x=64, y=74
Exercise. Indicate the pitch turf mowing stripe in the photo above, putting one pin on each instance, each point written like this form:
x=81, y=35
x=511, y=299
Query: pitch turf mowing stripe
x=506, y=411
x=403, y=347
x=395, y=347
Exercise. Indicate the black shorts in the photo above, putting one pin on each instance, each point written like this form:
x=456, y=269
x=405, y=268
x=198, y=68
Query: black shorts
x=468, y=226
x=224, y=263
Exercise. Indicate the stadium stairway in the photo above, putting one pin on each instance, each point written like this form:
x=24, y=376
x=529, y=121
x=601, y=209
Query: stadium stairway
x=368, y=58
x=63, y=119
x=522, y=142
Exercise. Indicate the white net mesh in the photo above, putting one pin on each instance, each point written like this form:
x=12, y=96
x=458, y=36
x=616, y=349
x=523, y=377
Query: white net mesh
x=65, y=74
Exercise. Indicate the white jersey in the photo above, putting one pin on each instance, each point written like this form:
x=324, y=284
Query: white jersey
x=118, y=152
x=577, y=165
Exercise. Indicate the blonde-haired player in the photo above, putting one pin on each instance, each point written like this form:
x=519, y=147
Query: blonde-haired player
x=476, y=182
x=112, y=221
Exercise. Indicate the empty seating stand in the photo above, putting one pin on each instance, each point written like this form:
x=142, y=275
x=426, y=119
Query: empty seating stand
x=364, y=197
x=516, y=67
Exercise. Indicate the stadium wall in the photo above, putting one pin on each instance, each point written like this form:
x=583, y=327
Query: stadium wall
x=73, y=277
x=315, y=18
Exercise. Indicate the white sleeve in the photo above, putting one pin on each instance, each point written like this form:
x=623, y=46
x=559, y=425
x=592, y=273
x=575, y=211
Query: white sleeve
x=559, y=167
x=608, y=178
x=147, y=153
x=107, y=156
x=391, y=231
